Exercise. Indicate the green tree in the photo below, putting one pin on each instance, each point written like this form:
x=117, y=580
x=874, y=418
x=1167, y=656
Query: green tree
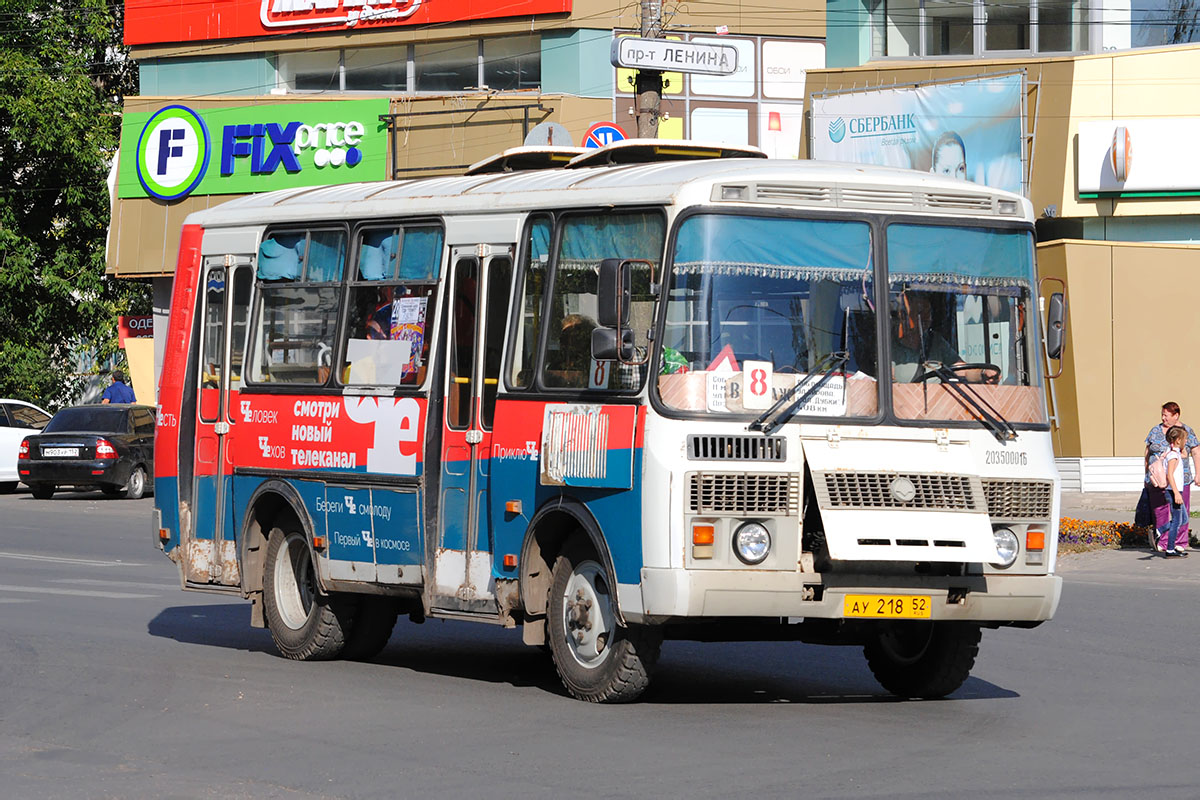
x=63, y=75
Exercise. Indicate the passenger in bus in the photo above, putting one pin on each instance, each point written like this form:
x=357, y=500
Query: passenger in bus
x=916, y=341
x=575, y=351
x=379, y=323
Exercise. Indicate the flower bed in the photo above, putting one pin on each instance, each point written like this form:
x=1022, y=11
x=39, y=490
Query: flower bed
x=1079, y=535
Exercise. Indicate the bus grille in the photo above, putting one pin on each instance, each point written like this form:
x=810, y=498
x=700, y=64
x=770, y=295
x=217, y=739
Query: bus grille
x=743, y=493
x=843, y=489
x=736, y=448
x=1019, y=499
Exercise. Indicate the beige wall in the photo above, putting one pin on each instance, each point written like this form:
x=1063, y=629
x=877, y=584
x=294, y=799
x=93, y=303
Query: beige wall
x=145, y=239
x=1063, y=92
x=1127, y=351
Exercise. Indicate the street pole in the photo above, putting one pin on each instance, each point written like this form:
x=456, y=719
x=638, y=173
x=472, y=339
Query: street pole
x=648, y=84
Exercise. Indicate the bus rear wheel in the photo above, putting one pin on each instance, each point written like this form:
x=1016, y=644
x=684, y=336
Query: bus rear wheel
x=927, y=660
x=373, y=624
x=305, y=624
x=598, y=659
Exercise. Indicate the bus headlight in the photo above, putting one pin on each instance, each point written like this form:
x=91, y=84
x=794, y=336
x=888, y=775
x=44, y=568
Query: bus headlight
x=751, y=542
x=1007, y=547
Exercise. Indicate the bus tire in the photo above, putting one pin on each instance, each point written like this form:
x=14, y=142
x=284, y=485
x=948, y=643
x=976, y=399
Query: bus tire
x=373, y=624
x=926, y=660
x=597, y=658
x=305, y=624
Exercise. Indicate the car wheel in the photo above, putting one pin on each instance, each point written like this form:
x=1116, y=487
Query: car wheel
x=305, y=624
x=597, y=658
x=922, y=659
x=42, y=492
x=8, y=487
x=135, y=487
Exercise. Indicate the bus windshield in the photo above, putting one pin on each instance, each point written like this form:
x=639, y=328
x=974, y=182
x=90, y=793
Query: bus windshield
x=757, y=304
x=959, y=304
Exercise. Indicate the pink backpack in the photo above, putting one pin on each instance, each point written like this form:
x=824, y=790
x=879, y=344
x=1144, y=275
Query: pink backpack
x=1158, y=470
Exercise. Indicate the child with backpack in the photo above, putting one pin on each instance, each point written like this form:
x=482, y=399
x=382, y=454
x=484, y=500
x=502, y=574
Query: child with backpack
x=1170, y=535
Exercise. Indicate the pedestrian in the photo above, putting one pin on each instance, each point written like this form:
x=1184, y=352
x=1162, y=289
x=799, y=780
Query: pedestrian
x=1172, y=538
x=118, y=392
x=1156, y=444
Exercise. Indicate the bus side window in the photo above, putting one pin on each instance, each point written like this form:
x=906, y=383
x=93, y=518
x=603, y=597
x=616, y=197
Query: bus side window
x=300, y=274
x=392, y=292
x=528, y=323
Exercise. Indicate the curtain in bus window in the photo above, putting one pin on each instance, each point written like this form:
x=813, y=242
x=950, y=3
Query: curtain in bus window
x=326, y=256
x=805, y=249
x=421, y=255
x=975, y=256
x=377, y=255
x=279, y=257
x=589, y=240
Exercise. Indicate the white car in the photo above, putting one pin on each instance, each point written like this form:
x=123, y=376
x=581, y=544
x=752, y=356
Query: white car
x=18, y=419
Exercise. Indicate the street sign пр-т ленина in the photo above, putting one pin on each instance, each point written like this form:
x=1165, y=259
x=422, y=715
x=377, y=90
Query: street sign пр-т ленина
x=671, y=56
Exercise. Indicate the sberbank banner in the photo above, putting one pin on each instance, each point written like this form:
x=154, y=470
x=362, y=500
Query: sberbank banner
x=178, y=150
x=970, y=130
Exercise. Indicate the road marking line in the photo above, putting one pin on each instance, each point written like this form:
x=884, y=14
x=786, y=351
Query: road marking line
x=162, y=587
x=4, y=587
x=91, y=562
x=13, y=600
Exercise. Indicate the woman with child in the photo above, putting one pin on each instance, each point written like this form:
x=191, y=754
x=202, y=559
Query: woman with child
x=1159, y=500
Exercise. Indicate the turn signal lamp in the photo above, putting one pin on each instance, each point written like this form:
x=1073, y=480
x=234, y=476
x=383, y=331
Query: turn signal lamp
x=703, y=537
x=104, y=449
x=510, y=560
x=513, y=506
x=1035, y=540
x=23, y=450
x=318, y=543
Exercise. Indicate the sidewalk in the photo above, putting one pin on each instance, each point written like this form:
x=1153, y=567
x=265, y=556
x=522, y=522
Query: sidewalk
x=1106, y=506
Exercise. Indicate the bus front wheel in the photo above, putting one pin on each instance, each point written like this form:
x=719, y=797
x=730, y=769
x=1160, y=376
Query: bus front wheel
x=922, y=659
x=597, y=658
x=305, y=624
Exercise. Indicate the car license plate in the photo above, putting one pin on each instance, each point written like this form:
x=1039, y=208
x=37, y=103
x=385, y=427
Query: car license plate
x=887, y=606
x=60, y=452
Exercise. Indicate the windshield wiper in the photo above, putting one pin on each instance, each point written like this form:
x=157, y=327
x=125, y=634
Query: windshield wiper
x=831, y=363
x=992, y=419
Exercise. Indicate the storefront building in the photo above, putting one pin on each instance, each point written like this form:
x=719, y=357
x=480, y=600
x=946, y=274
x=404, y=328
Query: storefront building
x=243, y=96
x=1100, y=143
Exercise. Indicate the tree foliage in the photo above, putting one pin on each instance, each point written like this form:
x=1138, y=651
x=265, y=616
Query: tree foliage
x=63, y=74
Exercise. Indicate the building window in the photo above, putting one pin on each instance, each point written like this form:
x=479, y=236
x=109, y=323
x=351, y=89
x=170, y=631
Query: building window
x=310, y=72
x=446, y=67
x=512, y=62
x=376, y=69
x=914, y=28
x=1006, y=26
x=505, y=64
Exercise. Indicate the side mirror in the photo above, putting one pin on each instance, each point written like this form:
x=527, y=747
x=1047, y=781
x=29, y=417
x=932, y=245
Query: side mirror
x=613, y=293
x=1056, y=326
x=605, y=344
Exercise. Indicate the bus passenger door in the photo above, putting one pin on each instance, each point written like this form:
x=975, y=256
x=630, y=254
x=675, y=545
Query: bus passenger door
x=481, y=282
x=211, y=551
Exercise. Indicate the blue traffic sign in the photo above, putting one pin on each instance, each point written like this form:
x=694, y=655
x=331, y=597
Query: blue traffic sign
x=603, y=134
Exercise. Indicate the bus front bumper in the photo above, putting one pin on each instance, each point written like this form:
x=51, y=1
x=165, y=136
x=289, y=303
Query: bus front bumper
x=678, y=594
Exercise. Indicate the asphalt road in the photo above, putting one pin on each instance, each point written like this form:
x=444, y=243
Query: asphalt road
x=113, y=683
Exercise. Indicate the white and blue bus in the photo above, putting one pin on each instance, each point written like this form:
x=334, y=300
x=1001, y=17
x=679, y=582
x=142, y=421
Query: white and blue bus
x=657, y=390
